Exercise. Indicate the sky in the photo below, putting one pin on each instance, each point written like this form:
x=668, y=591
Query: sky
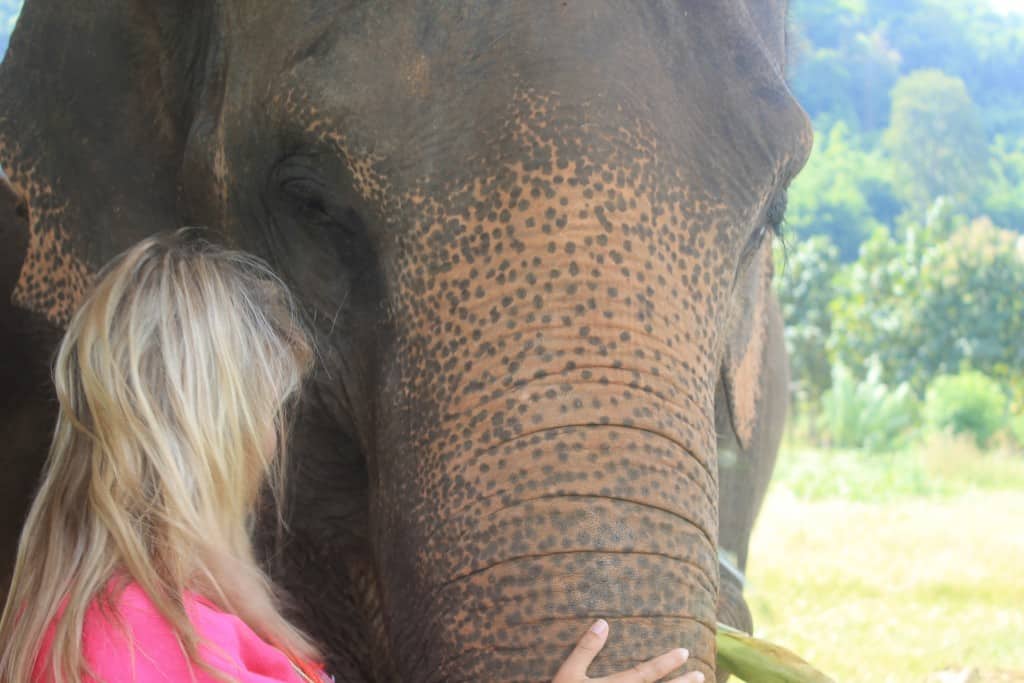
x=1006, y=6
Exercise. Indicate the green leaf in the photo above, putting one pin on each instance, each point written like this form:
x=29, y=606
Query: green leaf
x=757, y=661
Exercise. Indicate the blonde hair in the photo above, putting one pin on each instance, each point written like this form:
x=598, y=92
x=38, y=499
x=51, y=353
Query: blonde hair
x=169, y=378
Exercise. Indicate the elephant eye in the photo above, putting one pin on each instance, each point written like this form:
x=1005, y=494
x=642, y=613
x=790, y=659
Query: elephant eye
x=771, y=223
x=309, y=209
x=307, y=196
x=776, y=212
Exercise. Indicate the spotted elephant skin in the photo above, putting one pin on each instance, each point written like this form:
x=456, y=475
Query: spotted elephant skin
x=534, y=243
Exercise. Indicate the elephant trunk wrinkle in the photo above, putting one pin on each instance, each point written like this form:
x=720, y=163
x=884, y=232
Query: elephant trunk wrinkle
x=499, y=487
x=711, y=476
x=599, y=378
x=701, y=571
x=567, y=523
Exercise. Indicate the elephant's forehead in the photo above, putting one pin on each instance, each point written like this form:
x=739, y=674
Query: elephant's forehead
x=536, y=150
x=426, y=84
x=558, y=196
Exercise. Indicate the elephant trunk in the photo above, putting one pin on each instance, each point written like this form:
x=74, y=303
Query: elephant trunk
x=557, y=521
x=528, y=570
x=562, y=491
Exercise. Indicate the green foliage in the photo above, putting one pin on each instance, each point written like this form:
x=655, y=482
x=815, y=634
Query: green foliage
x=925, y=306
x=938, y=81
x=857, y=475
x=940, y=466
x=1004, y=198
x=803, y=282
x=847, y=53
x=1015, y=425
x=970, y=308
x=872, y=313
x=843, y=192
x=936, y=138
x=970, y=402
x=866, y=413
x=860, y=77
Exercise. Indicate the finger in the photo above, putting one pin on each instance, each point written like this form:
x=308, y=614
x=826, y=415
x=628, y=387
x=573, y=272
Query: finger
x=575, y=667
x=652, y=669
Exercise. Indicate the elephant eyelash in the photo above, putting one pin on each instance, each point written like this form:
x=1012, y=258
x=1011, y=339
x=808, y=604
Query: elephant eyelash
x=307, y=195
x=775, y=215
x=773, y=221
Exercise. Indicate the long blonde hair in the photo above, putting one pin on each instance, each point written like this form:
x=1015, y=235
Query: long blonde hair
x=182, y=362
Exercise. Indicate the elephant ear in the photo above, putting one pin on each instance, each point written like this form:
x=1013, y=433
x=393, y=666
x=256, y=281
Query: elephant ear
x=91, y=132
x=744, y=358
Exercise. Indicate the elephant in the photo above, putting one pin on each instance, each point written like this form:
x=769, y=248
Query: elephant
x=533, y=242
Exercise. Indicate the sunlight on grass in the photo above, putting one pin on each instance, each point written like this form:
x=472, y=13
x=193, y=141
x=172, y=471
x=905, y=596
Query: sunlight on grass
x=942, y=467
x=919, y=572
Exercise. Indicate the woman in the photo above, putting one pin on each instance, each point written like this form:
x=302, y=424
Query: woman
x=175, y=380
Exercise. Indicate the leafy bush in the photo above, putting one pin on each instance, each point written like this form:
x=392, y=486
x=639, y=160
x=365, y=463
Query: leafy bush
x=930, y=304
x=971, y=403
x=1016, y=427
x=803, y=279
x=866, y=413
x=873, y=312
x=1004, y=200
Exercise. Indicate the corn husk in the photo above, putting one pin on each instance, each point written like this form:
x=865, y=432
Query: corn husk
x=757, y=661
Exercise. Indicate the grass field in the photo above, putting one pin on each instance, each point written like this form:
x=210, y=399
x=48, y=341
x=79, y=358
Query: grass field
x=892, y=568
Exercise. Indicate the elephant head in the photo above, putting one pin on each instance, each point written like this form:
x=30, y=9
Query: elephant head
x=534, y=242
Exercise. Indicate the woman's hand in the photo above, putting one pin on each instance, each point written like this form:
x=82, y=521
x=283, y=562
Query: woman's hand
x=574, y=670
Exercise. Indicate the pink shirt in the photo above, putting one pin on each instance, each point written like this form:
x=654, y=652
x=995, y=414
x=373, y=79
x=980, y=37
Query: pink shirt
x=150, y=653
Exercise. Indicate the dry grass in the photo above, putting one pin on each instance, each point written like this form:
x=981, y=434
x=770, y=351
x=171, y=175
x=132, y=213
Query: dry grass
x=897, y=588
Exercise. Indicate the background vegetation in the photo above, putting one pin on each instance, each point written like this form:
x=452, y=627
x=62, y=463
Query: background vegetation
x=890, y=545
x=903, y=269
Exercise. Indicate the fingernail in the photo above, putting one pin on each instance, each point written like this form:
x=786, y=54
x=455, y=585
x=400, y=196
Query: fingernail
x=684, y=653
x=600, y=627
x=699, y=677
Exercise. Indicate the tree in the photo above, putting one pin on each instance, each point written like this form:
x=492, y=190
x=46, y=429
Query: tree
x=875, y=67
x=824, y=86
x=873, y=317
x=804, y=283
x=970, y=310
x=936, y=139
x=828, y=23
x=926, y=307
x=1004, y=197
x=841, y=193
